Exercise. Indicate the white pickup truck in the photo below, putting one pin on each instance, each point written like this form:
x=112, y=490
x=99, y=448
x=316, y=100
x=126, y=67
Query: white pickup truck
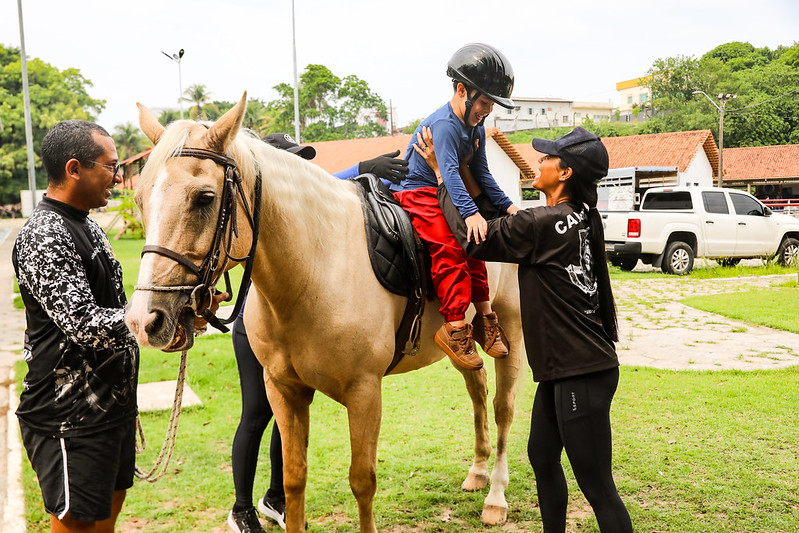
x=674, y=225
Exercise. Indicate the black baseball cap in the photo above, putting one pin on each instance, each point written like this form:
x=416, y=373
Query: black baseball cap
x=579, y=149
x=284, y=141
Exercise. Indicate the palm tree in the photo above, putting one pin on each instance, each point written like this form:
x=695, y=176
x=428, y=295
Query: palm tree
x=198, y=95
x=129, y=140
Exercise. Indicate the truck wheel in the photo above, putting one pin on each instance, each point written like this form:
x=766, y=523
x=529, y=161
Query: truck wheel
x=728, y=261
x=624, y=263
x=678, y=259
x=788, y=252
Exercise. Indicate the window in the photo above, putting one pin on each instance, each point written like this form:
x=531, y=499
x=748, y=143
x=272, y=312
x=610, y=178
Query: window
x=715, y=202
x=543, y=111
x=529, y=110
x=746, y=205
x=565, y=119
x=668, y=200
x=630, y=99
x=509, y=111
x=578, y=115
x=643, y=98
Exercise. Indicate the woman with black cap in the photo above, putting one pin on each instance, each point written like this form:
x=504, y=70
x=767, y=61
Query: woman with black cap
x=569, y=322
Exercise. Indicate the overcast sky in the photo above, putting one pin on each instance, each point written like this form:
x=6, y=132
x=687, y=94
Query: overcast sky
x=572, y=49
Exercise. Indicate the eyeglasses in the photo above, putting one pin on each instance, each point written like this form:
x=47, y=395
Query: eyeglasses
x=112, y=168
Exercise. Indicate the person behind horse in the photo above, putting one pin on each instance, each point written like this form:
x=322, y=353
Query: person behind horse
x=568, y=321
x=481, y=76
x=255, y=409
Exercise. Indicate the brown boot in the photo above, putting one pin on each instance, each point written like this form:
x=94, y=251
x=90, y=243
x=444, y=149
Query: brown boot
x=490, y=337
x=458, y=345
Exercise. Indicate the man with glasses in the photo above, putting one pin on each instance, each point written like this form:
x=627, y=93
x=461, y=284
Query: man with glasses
x=77, y=410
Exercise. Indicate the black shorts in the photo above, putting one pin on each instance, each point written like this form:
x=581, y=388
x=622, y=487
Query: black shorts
x=81, y=474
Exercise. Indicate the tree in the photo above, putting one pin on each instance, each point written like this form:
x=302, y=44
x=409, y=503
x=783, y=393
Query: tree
x=330, y=107
x=198, y=95
x=168, y=116
x=764, y=81
x=55, y=95
x=129, y=140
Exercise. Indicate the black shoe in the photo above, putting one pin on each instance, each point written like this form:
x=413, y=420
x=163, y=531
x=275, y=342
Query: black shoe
x=273, y=509
x=245, y=521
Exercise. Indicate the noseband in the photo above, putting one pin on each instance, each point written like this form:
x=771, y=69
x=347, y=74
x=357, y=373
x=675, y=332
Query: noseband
x=201, y=295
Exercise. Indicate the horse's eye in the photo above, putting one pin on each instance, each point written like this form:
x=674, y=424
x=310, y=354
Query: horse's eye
x=204, y=199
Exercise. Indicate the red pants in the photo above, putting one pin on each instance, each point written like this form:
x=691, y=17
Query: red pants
x=457, y=278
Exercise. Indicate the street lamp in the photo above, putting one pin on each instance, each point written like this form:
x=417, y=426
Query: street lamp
x=176, y=58
x=723, y=98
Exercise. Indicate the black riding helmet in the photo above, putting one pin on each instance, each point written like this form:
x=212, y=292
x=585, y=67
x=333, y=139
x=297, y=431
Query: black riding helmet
x=483, y=68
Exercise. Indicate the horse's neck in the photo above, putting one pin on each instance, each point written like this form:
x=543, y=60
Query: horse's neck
x=306, y=241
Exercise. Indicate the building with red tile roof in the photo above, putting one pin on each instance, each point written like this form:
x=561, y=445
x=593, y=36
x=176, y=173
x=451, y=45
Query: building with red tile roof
x=694, y=153
x=769, y=168
x=507, y=165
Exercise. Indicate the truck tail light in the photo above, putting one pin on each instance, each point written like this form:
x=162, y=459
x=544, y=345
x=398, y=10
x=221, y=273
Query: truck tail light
x=633, y=227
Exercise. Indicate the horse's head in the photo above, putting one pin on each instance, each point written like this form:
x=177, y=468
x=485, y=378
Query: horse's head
x=183, y=194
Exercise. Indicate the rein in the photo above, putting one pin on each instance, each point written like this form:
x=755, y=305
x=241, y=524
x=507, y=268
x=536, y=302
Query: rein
x=201, y=295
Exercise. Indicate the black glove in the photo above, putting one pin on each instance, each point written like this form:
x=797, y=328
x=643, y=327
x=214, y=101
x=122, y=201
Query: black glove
x=386, y=166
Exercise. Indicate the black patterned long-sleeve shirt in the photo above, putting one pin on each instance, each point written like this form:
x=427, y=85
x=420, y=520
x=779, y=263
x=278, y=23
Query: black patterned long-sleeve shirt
x=82, y=360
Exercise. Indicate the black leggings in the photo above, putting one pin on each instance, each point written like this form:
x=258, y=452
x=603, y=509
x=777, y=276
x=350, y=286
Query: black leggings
x=255, y=415
x=574, y=413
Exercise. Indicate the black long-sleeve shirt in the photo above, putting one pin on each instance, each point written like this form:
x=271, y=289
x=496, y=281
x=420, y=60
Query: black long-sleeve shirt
x=82, y=360
x=563, y=332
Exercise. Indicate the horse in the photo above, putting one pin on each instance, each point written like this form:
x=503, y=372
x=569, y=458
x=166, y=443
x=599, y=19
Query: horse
x=317, y=317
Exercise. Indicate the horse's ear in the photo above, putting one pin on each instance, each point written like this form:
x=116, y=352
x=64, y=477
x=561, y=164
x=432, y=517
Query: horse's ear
x=149, y=124
x=225, y=129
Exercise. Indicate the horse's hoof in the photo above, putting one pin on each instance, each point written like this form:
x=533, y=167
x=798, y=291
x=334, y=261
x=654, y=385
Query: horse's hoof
x=493, y=515
x=474, y=482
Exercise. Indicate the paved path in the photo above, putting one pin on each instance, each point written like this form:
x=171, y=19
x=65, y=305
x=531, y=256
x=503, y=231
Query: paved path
x=655, y=331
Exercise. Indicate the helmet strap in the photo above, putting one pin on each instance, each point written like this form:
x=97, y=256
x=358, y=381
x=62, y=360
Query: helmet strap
x=470, y=100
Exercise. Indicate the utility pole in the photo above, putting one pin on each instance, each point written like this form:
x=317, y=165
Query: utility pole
x=723, y=99
x=27, y=103
x=296, y=82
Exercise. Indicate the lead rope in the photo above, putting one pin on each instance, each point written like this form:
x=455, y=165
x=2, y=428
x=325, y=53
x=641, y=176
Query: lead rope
x=162, y=462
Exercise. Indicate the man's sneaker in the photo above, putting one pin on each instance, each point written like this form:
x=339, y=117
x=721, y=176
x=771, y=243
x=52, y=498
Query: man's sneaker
x=489, y=335
x=245, y=521
x=274, y=510
x=458, y=345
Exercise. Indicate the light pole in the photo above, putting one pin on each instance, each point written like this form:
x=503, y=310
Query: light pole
x=176, y=58
x=27, y=103
x=723, y=99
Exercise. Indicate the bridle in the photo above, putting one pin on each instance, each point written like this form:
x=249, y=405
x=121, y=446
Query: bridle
x=201, y=295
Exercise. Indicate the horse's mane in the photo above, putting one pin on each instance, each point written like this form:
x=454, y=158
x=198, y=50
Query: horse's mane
x=297, y=191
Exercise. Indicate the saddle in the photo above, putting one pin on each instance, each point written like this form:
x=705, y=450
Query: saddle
x=398, y=258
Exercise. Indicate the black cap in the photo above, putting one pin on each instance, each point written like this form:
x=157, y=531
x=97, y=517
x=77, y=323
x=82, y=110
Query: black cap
x=579, y=149
x=285, y=142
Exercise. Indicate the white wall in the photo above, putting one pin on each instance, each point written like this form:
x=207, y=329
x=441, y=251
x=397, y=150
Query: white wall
x=504, y=170
x=699, y=172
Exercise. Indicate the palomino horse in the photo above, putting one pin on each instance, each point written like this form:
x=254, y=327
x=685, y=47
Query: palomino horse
x=317, y=318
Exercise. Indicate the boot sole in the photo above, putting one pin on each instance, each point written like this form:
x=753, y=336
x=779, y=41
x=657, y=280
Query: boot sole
x=447, y=350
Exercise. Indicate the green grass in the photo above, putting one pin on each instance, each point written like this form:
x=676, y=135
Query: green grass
x=710, y=271
x=694, y=451
x=777, y=308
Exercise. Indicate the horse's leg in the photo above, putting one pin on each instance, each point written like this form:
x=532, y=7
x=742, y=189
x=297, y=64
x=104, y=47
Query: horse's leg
x=477, y=386
x=291, y=409
x=364, y=410
x=495, y=507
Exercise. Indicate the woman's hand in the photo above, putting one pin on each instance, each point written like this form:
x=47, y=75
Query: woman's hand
x=424, y=147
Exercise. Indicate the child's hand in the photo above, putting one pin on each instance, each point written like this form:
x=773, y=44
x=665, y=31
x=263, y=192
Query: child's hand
x=476, y=225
